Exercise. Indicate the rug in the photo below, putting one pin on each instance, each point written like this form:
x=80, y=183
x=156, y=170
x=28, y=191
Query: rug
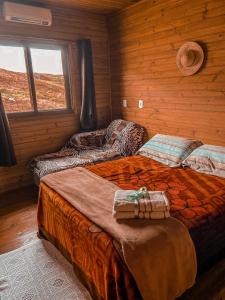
x=38, y=271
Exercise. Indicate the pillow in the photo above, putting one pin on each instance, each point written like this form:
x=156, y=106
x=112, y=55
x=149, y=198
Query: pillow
x=208, y=159
x=168, y=149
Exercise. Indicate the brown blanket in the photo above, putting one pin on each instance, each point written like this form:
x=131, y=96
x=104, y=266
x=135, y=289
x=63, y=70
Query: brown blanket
x=159, y=254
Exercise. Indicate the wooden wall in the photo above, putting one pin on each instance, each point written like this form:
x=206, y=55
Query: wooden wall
x=37, y=135
x=144, y=40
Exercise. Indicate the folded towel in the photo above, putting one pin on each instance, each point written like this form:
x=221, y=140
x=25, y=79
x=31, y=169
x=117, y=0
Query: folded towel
x=141, y=215
x=152, y=201
x=140, y=204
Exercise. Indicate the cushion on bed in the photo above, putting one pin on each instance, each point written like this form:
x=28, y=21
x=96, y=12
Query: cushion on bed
x=208, y=159
x=168, y=149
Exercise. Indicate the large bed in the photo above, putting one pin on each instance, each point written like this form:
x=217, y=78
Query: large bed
x=196, y=199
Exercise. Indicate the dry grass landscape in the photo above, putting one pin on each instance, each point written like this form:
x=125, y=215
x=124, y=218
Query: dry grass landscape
x=50, y=91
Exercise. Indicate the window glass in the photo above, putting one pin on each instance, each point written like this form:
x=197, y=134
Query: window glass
x=48, y=78
x=14, y=85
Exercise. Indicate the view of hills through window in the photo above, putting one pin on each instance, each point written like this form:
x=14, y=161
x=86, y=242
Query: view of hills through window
x=48, y=76
x=14, y=86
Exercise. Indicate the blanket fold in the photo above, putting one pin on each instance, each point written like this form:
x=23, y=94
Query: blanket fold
x=159, y=253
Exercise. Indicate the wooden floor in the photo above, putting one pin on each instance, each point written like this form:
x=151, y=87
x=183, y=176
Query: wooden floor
x=18, y=226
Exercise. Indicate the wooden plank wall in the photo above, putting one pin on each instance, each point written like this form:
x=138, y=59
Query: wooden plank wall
x=96, y=6
x=144, y=40
x=38, y=135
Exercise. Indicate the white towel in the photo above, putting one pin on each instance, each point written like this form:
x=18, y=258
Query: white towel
x=142, y=215
x=153, y=205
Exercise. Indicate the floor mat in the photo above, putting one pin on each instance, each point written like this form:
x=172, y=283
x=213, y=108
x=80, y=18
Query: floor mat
x=38, y=272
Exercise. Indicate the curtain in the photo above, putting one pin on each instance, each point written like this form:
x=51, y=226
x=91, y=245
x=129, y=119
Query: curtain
x=88, y=119
x=7, y=155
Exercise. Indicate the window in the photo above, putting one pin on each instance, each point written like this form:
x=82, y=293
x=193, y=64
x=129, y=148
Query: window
x=34, y=78
x=14, y=85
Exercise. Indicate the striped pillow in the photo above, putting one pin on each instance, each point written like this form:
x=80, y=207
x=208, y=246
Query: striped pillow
x=208, y=159
x=168, y=149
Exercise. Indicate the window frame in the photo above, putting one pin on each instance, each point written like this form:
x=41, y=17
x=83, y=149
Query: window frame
x=49, y=45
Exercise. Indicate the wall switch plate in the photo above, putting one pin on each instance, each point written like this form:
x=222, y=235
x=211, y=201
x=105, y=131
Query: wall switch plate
x=140, y=103
x=124, y=103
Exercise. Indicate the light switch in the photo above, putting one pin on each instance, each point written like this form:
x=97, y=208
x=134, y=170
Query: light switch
x=124, y=103
x=140, y=103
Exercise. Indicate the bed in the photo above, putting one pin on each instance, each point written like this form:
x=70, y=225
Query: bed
x=120, y=138
x=196, y=199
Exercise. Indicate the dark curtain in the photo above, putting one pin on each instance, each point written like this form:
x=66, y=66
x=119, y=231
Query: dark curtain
x=7, y=155
x=88, y=119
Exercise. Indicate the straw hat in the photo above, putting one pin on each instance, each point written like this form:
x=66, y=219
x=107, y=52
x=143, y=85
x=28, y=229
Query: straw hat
x=190, y=57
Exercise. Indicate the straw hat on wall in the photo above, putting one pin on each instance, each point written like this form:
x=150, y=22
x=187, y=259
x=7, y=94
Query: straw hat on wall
x=190, y=58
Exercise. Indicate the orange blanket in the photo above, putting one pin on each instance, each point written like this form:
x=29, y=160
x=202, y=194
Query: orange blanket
x=196, y=199
x=149, y=247
x=193, y=196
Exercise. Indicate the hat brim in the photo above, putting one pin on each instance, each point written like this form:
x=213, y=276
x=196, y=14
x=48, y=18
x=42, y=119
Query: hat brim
x=198, y=59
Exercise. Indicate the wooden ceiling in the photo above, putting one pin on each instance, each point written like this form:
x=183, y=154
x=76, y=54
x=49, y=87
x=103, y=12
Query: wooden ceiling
x=97, y=6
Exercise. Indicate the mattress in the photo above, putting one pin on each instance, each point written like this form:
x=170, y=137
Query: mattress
x=197, y=200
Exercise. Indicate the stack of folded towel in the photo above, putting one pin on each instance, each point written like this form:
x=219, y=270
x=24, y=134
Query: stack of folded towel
x=142, y=204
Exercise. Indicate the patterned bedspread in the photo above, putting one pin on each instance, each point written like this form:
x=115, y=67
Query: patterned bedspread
x=196, y=199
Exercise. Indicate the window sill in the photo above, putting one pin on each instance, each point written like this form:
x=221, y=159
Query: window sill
x=17, y=115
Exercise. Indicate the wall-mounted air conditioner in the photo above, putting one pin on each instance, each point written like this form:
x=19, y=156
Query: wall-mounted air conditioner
x=15, y=12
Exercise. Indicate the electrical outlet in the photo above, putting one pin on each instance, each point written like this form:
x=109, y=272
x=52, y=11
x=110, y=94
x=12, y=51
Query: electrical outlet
x=140, y=103
x=124, y=103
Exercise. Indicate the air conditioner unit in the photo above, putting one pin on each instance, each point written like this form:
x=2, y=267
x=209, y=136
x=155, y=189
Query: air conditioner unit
x=15, y=12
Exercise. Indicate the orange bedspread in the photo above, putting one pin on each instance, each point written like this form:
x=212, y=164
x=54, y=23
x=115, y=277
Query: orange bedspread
x=198, y=200
x=195, y=198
